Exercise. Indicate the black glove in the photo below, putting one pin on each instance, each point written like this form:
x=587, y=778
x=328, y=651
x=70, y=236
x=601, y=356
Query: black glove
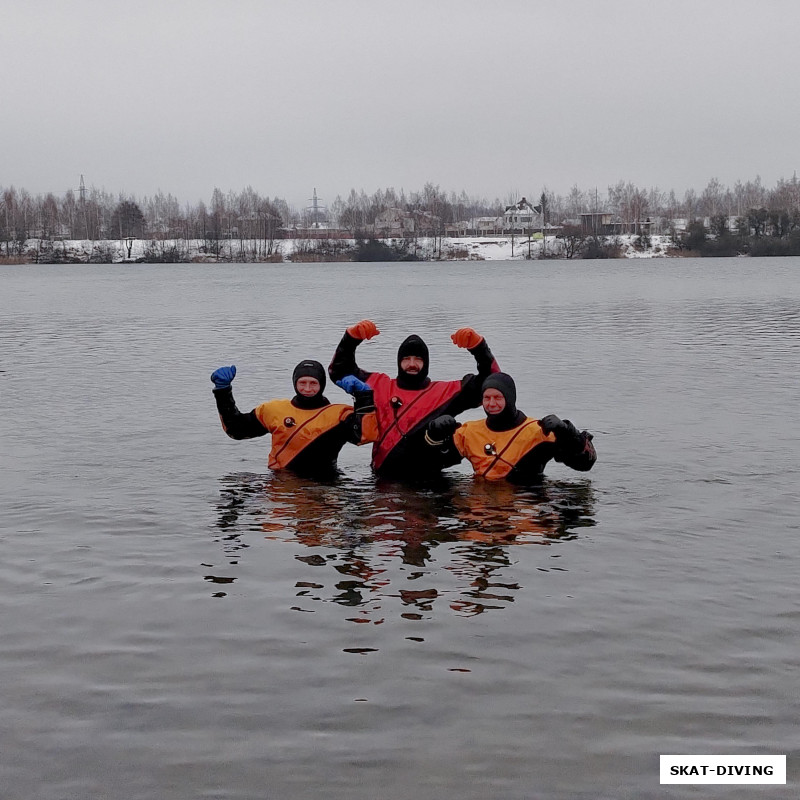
x=440, y=429
x=563, y=429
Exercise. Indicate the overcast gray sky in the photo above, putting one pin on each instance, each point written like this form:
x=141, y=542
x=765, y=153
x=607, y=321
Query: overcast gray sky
x=489, y=96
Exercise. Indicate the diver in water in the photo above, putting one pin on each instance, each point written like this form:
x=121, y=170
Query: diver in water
x=508, y=445
x=405, y=404
x=308, y=431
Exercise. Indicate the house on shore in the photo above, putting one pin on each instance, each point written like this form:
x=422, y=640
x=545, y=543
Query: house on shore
x=522, y=217
x=397, y=223
x=602, y=223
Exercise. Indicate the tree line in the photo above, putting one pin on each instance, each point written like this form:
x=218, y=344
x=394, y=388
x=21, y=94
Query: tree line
x=718, y=218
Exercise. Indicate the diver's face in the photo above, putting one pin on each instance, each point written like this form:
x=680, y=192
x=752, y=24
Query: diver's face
x=412, y=365
x=307, y=387
x=493, y=401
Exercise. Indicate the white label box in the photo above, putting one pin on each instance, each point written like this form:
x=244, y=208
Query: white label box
x=738, y=769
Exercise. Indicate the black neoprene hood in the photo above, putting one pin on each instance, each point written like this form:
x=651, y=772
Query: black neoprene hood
x=413, y=346
x=509, y=417
x=309, y=369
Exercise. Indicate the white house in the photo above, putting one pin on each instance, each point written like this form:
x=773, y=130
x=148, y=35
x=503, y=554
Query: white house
x=521, y=217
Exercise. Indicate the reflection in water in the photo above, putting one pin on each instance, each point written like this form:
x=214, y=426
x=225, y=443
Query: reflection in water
x=452, y=539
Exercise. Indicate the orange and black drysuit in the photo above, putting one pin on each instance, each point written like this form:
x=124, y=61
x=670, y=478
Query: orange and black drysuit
x=510, y=445
x=406, y=404
x=307, y=432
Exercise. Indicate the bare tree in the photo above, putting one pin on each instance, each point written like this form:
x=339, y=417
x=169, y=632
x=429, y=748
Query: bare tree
x=573, y=240
x=128, y=220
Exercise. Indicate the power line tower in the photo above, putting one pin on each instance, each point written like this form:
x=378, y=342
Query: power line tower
x=316, y=211
x=82, y=208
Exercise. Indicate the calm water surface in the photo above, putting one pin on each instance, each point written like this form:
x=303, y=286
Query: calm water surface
x=177, y=622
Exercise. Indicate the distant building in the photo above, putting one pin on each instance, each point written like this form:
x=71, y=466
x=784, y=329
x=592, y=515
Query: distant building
x=603, y=223
x=456, y=229
x=597, y=222
x=488, y=226
x=480, y=226
x=394, y=222
x=521, y=217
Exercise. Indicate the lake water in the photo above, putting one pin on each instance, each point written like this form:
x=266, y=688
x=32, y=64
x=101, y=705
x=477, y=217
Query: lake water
x=177, y=622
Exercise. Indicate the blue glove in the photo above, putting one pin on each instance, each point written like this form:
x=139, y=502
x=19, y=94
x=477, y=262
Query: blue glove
x=223, y=376
x=351, y=384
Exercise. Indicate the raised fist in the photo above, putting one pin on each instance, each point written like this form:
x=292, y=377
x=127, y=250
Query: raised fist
x=365, y=329
x=223, y=376
x=351, y=384
x=466, y=337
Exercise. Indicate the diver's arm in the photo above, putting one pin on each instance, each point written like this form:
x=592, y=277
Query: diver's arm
x=486, y=362
x=573, y=448
x=471, y=384
x=580, y=454
x=439, y=436
x=362, y=424
x=234, y=423
x=470, y=339
x=344, y=359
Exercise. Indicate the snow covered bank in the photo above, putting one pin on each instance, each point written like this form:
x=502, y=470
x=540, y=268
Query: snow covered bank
x=503, y=248
x=519, y=248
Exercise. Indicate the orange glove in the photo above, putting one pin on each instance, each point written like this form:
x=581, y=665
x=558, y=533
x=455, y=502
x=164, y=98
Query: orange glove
x=466, y=337
x=365, y=329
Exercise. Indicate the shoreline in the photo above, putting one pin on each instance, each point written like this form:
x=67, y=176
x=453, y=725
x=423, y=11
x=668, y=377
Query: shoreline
x=201, y=251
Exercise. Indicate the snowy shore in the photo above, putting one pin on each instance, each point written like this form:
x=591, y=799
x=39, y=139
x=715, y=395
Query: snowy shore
x=503, y=248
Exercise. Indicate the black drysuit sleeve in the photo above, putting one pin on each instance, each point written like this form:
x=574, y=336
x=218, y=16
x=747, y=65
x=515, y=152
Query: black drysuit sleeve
x=234, y=423
x=344, y=360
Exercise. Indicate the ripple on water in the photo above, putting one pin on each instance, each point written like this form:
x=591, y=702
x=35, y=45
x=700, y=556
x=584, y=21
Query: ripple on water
x=173, y=610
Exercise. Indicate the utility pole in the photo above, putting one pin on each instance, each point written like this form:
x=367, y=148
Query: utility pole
x=594, y=225
x=543, y=204
x=82, y=202
x=530, y=225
